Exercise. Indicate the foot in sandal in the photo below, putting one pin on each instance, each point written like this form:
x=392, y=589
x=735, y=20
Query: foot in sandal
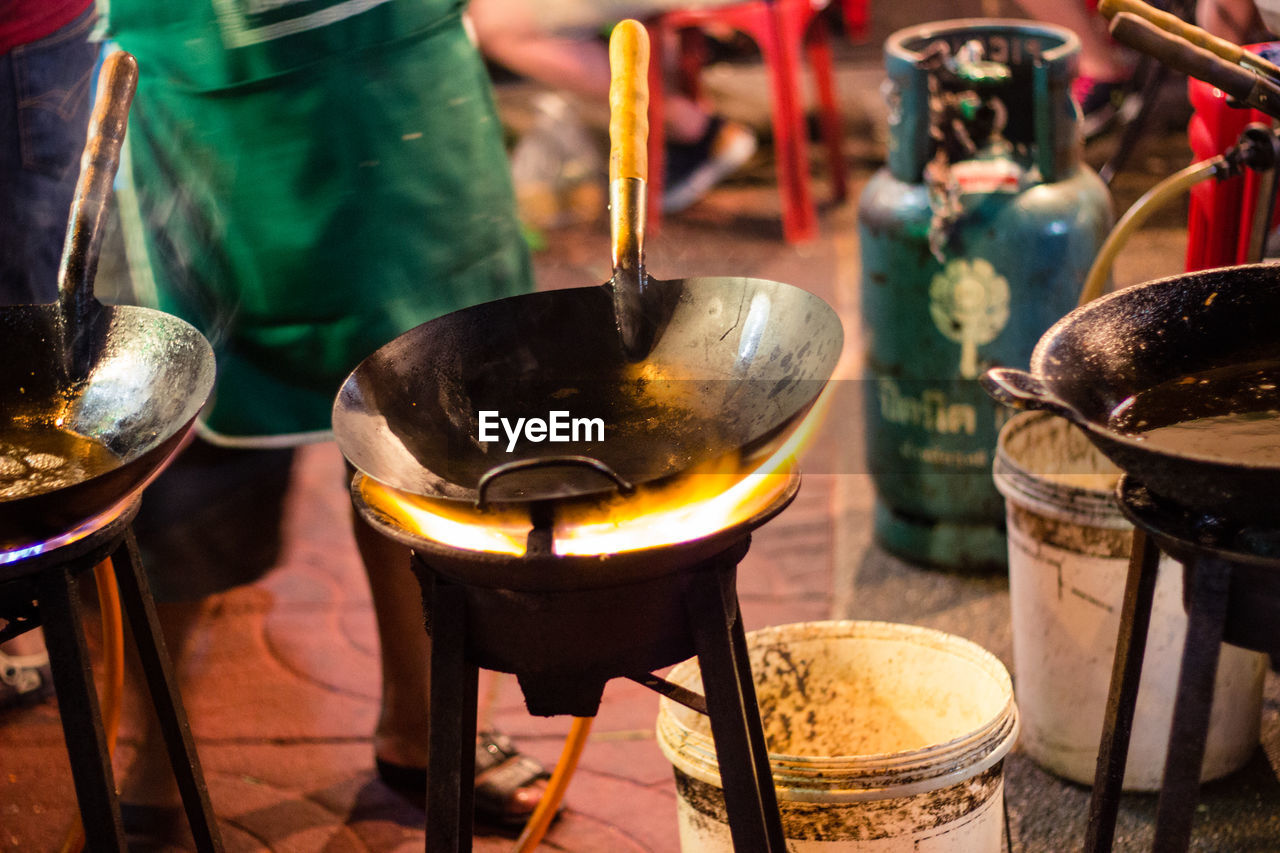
x=509, y=784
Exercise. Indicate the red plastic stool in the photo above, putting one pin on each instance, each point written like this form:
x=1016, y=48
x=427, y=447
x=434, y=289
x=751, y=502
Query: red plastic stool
x=1220, y=215
x=781, y=28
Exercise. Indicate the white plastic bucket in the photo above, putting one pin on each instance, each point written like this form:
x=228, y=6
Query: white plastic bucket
x=882, y=738
x=1068, y=559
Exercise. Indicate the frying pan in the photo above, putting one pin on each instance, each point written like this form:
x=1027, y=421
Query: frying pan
x=677, y=371
x=131, y=379
x=1119, y=345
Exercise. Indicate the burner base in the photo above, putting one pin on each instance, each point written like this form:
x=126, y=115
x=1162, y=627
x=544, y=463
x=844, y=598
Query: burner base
x=563, y=646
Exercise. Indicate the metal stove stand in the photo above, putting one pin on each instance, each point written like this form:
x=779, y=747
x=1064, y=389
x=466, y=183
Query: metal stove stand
x=564, y=645
x=1232, y=594
x=41, y=590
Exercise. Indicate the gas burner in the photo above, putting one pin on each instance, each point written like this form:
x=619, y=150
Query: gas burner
x=22, y=550
x=565, y=623
x=555, y=543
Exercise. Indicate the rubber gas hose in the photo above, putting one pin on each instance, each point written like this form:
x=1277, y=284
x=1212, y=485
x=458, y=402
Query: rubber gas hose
x=551, y=797
x=1152, y=200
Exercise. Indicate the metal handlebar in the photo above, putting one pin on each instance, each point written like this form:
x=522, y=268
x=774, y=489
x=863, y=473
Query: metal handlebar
x=573, y=460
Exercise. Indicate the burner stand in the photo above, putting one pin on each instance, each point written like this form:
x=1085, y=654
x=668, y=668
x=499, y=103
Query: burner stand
x=564, y=644
x=41, y=590
x=1231, y=590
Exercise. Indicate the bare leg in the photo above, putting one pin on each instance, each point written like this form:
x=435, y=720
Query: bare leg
x=401, y=733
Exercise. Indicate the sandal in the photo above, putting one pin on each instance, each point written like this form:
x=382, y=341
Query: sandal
x=501, y=771
x=24, y=680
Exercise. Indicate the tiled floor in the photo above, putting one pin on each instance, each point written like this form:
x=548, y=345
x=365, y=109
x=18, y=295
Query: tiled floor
x=282, y=682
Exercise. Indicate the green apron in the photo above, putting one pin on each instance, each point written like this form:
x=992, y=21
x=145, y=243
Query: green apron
x=310, y=179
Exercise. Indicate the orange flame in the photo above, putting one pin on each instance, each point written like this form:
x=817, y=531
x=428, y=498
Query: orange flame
x=456, y=525
x=712, y=497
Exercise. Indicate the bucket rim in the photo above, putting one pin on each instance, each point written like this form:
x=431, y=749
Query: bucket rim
x=1015, y=482
x=871, y=776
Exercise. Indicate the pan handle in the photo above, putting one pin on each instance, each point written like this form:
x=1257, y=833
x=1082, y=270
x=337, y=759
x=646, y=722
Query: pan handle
x=1175, y=26
x=494, y=473
x=1020, y=390
x=628, y=174
x=1255, y=90
x=628, y=142
x=629, y=101
x=116, y=84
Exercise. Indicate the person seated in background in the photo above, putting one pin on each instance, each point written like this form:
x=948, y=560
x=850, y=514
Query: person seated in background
x=555, y=42
x=1105, y=66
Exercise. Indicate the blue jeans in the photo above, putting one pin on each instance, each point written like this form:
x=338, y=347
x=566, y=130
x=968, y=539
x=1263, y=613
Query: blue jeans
x=44, y=111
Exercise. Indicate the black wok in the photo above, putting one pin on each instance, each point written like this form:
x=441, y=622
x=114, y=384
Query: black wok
x=677, y=372
x=130, y=379
x=1129, y=342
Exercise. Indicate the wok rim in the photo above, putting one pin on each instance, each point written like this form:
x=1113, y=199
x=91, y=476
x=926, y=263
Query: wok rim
x=194, y=397
x=342, y=410
x=1082, y=314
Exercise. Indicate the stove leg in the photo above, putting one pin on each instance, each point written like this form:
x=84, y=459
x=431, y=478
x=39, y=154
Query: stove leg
x=451, y=765
x=751, y=802
x=135, y=598
x=78, y=707
x=1131, y=645
x=1210, y=581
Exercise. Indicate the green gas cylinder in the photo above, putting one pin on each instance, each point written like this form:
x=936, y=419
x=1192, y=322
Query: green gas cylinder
x=975, y=238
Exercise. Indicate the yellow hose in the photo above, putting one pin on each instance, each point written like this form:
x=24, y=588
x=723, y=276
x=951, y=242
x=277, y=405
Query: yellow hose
x=1151, y=201
x=550, y=801
x=104, y=578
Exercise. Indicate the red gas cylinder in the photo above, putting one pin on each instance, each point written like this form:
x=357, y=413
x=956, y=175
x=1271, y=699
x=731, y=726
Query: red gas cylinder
x=1221, y=212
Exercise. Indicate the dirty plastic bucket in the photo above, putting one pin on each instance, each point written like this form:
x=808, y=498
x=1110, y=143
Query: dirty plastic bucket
x=882, y=738
x=1068, y=559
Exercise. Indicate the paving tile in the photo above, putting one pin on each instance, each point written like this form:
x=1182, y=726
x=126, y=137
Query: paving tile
x=37, y=801
x=332, y=648
x=639, y=817
x=35, y=726
x=763, y=612
x=236, y=686
x=632, y=756
x=769, y=571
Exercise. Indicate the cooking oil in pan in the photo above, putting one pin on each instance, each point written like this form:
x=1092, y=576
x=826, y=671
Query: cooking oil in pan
x=38, y=457
x=1230, y=414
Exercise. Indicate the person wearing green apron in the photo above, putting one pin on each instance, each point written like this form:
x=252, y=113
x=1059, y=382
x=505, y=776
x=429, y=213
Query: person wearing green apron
x=304, y=181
